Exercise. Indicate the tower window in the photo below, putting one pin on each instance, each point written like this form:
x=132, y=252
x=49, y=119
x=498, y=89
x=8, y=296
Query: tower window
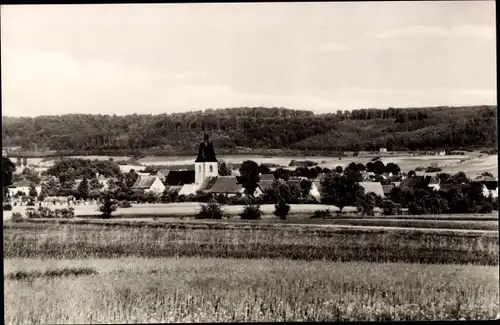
x=211, y=169
x=199, y=169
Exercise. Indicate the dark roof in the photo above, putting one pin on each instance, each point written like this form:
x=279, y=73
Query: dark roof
x=415, y=182
x=143, y=182
x=490, y=183
x=180, y=177
x=206, y=152
x=226, y=184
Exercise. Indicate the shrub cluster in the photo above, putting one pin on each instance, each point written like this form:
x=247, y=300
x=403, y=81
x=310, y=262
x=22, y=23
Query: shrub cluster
x=321, y=214
x=211, y=210
x=251, y=212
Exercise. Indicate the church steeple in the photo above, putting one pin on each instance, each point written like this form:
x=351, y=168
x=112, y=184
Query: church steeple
x=206, y=152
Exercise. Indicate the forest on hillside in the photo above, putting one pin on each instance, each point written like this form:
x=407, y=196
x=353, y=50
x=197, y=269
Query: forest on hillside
x=258, y=128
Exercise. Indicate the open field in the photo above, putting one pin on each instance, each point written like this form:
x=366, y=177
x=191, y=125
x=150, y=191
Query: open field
x=473, y=164
x=137, y=290
x=74, y=241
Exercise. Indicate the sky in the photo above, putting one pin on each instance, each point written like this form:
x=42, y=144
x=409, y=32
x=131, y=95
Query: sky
x=166, y=58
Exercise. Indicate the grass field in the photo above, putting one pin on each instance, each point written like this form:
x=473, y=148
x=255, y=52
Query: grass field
x=123, y=271
x=136, y=290
x=74, y=241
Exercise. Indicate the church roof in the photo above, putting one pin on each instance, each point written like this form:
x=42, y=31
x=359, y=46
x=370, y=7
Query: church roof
x=180, y=177
x=206, y=151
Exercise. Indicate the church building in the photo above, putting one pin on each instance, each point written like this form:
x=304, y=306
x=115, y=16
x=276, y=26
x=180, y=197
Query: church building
x=205, y=164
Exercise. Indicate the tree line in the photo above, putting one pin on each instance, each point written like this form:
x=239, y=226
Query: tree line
x=258, y=128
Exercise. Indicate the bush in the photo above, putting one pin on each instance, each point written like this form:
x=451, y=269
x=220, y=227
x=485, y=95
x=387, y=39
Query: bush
x=221, y=199
x=125, y=204
x=107, y=208
x=486, y=207
x=7, y=207
x=45, y=212
x=251, y=212
x=321, y=214
x=17, y=217
x=433, y=169
x=389, y=208
x=67, y=213
x=211, y=210
x=31, y=203
x=281, y=210
x=238, y=200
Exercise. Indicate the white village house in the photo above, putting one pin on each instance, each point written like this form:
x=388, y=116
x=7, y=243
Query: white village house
x=149, y=184
x=23, y=187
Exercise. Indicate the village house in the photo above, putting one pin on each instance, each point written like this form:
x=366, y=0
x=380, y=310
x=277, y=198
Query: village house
x=227, y=185
x=147, y=184
x=23, y=187
x=421, y=182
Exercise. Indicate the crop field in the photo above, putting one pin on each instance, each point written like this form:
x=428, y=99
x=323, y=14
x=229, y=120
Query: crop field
x=215, y=271
x=138, y=290
x=73, y=241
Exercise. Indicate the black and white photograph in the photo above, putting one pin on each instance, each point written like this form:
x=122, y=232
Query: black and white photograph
x=249, y=162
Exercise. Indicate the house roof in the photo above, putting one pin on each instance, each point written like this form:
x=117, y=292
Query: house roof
x=172, y=189
x=387, y=189
x=372, y=187
x=163, y=172
x=267, y=177
x=23, y=183
x=144, y=182
x=226, y=184
x=416, y=182
x=180, y=177
x=208, y=183
x=265, y=184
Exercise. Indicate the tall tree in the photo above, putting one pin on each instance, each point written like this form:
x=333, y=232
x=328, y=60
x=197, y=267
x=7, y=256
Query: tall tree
x=8, y=168
x=249, y=176
x=224, y=169
x=339, y=191
x=82, y=191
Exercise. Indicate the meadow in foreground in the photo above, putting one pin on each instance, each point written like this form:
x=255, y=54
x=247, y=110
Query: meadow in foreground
x=130, y=290
x=74, y=241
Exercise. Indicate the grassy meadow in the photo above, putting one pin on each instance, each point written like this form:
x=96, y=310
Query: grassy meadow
x=139, y=290
x=146, y=270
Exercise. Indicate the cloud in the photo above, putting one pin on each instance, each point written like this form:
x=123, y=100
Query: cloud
x=462, y=31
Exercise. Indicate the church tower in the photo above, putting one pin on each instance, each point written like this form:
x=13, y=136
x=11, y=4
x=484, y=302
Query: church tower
x=205, y=164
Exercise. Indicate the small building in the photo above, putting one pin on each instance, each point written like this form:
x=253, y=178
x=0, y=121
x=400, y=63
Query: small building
x=383, y=149
x=23, y=187
x=149, y=184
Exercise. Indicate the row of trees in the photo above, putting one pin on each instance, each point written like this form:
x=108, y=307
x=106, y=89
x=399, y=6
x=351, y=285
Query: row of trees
x=259, y=128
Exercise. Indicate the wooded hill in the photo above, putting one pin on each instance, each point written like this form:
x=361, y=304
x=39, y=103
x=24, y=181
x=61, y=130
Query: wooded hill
x=258, y=128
